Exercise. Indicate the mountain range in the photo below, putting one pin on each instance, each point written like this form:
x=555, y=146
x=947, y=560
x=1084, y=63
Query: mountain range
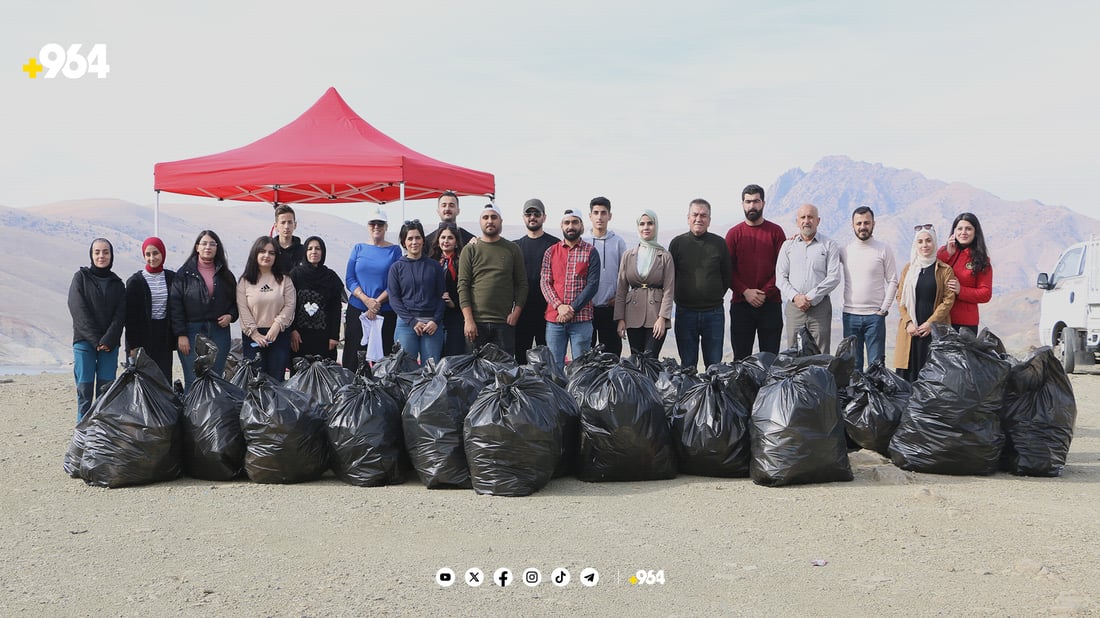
x=48, y=243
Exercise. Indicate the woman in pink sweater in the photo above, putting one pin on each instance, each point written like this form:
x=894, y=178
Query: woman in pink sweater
x=266, y=302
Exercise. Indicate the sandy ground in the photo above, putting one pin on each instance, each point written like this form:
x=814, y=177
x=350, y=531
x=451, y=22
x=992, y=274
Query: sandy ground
x=895, y=543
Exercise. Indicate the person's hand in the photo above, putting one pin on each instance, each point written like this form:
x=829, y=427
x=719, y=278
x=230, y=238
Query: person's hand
x=801, y=302
x=259, y=339
x=953, y=285
x=951, y=245
x=428, y=328
x=565, y=313
x=659, y=328
x=371, y=314
x=621, y=329
x=183, y=344
x=469, y=328
x=911, y=329
x=332, y=343
x=373, y=304
x=103, y=348
x=513, y=317
x=924, y=330
x=447, y=299
x=295, y=340
x=225, y=320
x=755, y=297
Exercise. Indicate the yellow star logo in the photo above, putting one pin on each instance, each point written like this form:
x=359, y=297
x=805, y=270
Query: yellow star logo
x=32, y=68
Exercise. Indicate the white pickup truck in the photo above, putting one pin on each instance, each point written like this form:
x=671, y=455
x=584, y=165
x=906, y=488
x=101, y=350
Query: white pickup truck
x=1069, y=318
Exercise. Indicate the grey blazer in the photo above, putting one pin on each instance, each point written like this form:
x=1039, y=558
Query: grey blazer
x=640, y=302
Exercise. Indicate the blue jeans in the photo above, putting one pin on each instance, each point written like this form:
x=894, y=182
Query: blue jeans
x=693, y=328
x=275, y=355
x=91, y=369
x=424, y=346
x=218, y=335
x=578, y=335
x=869, y=330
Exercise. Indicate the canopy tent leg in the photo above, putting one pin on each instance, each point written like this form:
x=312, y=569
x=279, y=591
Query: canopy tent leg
x=156, y=216
x=402, y=200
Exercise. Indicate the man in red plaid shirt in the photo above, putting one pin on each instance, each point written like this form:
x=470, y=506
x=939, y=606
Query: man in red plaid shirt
x=569, y=279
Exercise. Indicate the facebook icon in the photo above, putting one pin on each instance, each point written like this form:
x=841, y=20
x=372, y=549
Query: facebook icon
x=502, y=577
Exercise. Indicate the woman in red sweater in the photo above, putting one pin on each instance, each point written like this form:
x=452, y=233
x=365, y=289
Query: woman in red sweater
x=973, y=284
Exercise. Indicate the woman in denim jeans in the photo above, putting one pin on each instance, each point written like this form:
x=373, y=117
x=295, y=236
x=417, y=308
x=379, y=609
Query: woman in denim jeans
x=416, y=286
x=266, y=301
x=97, y=303
x=203, y=299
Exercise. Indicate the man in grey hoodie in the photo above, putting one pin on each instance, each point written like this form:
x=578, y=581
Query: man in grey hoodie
x=611, y=247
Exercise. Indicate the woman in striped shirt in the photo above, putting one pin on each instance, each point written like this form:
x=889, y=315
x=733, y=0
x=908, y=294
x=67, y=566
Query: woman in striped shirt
x=148, y=324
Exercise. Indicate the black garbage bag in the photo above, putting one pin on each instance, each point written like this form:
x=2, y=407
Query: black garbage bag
x=213, y=444
x=710, y=425
x=752, y=374
x=1038, y=416
x=624, y=431
x=512, y=435
x=952, y=424
x=131, y=436
x=804, y=344
x=594, y=355
x=365, y=435
x=672, y=383
x=432, y=423
x=397, y=361
x=483, y=365
x=796, y=432
x=649, y=366
x=875, y=403
x=841, y=366
x=319, y=377
x=541, y=360
x=284, y=433
x=233, y=360
x=247, y=372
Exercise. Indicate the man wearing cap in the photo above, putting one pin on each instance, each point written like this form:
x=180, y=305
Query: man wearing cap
x=447, y=209
x=492, y=286
x=611, y=247
x=531, y=328
x=570, y=276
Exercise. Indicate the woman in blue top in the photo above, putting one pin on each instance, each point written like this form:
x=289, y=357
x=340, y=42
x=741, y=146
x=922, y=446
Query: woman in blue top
x=416, y=287
x=366, y=279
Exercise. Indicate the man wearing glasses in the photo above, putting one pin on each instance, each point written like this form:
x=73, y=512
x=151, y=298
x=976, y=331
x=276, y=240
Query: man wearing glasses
x=531, y=327
x=756, y=308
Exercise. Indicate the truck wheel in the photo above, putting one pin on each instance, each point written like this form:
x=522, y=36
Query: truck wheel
x=1068, y=340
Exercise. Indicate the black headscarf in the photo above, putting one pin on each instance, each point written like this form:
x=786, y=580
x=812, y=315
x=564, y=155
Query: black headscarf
x=95, y=270
x=317, y=276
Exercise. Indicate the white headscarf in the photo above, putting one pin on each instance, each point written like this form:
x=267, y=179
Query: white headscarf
x=916, y=263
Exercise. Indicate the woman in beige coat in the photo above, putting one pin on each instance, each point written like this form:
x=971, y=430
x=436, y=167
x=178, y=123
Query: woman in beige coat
x=643, y=298
x=924, y=297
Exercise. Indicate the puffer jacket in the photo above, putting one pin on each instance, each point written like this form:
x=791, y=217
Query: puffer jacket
x=188, y=300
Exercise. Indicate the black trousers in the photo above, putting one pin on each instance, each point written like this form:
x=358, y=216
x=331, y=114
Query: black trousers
x=530, y=332
x=353, y=335
x=605, y=330
x=747, y=322
x=642, y=340
x=454, y=339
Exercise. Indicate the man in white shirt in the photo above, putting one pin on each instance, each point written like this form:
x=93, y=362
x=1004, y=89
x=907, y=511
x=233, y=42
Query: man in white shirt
x=870, y=286
x=807, y=271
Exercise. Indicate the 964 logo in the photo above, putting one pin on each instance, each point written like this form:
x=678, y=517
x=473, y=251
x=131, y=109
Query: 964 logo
x=55, y=59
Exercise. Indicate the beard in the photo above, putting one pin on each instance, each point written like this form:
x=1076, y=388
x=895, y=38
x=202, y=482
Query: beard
x=753, y=214
x=534, y=226
x=863, y=234
x=571, y=235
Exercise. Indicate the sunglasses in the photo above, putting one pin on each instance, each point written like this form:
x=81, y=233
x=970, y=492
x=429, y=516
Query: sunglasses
x=412, y=222
x=923, y=226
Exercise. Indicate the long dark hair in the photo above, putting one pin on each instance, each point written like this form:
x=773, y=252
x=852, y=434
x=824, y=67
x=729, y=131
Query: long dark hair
x=979, y=256
x=434, y=252
x=252, y=267
x=221, y=261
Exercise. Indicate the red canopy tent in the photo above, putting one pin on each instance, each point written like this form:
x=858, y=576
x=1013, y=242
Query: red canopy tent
x=328, y=154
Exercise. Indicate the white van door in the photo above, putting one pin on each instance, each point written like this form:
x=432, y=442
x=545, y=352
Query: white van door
x=1067, y=299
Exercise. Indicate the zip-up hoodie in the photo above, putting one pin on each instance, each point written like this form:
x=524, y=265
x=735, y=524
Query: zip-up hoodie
x=611, y=249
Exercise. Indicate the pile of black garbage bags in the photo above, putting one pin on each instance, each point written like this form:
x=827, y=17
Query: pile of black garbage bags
x=480, y=421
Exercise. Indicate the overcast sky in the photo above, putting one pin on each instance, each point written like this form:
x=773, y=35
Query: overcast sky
x=649, y=103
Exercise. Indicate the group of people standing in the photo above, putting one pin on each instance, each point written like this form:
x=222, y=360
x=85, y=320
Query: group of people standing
x=449, y=291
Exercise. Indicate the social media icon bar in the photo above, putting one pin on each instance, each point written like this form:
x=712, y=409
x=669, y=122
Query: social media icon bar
x=445, y=577
x=590, y=577
x=474, y=577
x=502, y=577
x=532, y=577
x=560, y=577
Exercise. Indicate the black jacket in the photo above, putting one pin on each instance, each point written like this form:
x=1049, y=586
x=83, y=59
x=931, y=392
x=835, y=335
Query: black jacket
x=98, y=307
x=188, y=300
x=139, y=310
x=290, y=257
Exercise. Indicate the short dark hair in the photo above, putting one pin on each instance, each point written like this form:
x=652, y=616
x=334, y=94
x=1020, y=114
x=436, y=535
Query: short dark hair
x=599, y=201
x=283, y=209
x=700, y=201
x=446, y=194
x=409, y=225
x=752, y=190
x=862, y=210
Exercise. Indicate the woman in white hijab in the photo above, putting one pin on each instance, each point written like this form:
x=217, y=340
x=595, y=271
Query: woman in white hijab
x=923, y=297
x=643, y=298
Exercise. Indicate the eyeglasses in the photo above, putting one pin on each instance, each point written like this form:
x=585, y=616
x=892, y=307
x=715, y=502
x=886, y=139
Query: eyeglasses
x=922, y=226
x=208, y=243
x=532, y=213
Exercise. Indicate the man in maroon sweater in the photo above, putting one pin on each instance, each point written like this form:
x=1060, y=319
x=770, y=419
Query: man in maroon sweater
x=756, y=308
